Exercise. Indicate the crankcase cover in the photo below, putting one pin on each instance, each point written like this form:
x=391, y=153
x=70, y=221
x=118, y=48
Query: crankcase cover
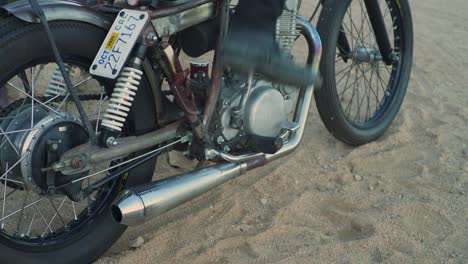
x=265, y=112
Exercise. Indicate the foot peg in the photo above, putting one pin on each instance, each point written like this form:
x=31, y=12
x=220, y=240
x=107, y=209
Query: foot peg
x=267, y=145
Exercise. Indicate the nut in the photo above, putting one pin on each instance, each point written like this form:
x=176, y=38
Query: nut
x=77, y=163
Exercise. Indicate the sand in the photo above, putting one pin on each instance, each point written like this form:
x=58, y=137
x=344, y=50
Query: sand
x=401, y=199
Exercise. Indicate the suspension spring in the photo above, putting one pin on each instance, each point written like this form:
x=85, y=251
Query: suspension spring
x=56, y=85
x=122, y=98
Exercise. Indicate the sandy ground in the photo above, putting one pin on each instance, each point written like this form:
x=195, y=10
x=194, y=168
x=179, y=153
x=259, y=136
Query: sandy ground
x=402, y=199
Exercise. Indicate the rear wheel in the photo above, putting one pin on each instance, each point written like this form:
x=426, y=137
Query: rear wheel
x=37, y=226
x=361, y=95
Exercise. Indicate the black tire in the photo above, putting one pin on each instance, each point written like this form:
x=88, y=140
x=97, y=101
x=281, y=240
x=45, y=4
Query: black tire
x=328, y=99
x=20, y=44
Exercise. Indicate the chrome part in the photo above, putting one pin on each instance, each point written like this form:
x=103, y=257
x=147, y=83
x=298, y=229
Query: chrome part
x=265, y=112
x=237, y=158
x=291, y=126
x=131, y=210
x=152, y=37
x=25, y=121
x=32, y=138
x=163, y=195
x=220, y=140
x=122, y=98
x=128, y=145
x=366, y=55
x=56, y=85
x=286, y=32
x=315, y=54
x=111, y=142
x=58, y=10
x=123, y=147
x=169, y=25
x=184, y=139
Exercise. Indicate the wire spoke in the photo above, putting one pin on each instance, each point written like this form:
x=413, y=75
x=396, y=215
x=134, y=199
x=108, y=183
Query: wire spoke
x=34, y=99
x=41, y=68
x=24, y=80
x=9, y=141
x=74, y=211
x=57, y=213
x=68, y=93
x=30, y=224
x=4, y=197
x=101, y=101
x=22, y=210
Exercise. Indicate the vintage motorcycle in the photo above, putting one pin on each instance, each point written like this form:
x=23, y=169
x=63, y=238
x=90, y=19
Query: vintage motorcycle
x=91, y=96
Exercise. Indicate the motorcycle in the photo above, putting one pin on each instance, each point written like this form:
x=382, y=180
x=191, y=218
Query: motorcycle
x=93, y=95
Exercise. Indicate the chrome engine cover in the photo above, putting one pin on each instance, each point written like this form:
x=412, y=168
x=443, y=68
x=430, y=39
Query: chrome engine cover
x=265, y=112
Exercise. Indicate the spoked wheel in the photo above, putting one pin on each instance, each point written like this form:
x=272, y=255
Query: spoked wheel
x=42, y=218
x=39, y=121
x=361, y=94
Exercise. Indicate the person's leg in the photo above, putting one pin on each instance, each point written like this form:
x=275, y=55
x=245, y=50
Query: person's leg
x=251, y=44
x=258, y=15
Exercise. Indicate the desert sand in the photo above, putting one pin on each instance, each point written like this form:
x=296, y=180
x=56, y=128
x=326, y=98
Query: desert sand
x=401, y=199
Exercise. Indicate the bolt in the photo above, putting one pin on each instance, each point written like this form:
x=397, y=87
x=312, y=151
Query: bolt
x=227, y=149
x=77, y=163
x=51, y=191
x=151, y=37
x=111, y=142
x=220, y=140
x=54, y=147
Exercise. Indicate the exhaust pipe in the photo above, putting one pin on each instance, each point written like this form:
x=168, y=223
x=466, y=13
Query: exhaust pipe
x=134, y=206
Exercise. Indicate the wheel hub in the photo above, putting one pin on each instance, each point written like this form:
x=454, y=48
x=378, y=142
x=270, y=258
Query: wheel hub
x=366, y=55
x=38, y=138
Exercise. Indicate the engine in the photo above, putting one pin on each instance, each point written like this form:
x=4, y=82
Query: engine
x=267, y=108
x=259, y=113
x=263, y=114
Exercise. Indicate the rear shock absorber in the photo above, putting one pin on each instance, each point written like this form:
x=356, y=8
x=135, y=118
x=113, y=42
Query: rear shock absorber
x=56, y=86
x=122, y=98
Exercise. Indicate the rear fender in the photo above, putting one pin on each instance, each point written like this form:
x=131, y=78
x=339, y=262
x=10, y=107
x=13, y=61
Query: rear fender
x=58, y=10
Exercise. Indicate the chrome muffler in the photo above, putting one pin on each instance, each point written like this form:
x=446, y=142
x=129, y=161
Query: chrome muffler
x=134, y=206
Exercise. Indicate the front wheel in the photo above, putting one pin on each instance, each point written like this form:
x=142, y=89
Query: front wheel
x=361, y=95
x=38, y=226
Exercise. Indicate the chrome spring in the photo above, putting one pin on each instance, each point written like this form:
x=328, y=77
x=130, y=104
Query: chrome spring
x=122, y=98
x=56, y=85
x=286, y=32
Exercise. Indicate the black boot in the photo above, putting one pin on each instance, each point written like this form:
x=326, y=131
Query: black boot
x=251, y=45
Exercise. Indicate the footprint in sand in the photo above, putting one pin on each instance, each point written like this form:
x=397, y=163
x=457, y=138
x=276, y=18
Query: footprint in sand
x=426, y=221
x=345, y=225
